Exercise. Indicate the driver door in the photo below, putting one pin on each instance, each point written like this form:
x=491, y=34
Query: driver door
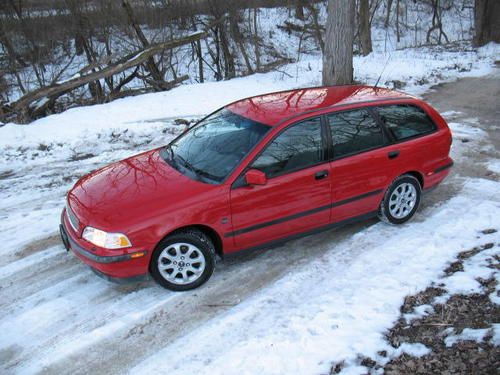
x=297, y=195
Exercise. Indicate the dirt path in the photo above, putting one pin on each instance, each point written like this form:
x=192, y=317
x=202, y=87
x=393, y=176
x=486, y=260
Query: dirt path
x=105, y=328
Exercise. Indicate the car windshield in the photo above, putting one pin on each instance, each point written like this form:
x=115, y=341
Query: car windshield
x=211, y=149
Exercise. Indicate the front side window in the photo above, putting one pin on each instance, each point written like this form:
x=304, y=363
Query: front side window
x=298, y=147
x=353, y=132
x=214, y=147
x=405, y=121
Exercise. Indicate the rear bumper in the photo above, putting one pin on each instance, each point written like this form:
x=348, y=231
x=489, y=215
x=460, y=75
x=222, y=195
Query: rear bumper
x=436, y=176
x=445, y=167
x=111, y=267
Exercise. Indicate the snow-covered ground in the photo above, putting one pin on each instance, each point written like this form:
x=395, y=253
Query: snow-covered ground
x=296, y=309
x=336, y=306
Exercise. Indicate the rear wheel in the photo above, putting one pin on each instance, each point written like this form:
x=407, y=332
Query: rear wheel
x=401, y=200
x=183, y=261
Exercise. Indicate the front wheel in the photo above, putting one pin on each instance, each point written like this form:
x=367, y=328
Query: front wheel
x=183, y=261
x=401, y=200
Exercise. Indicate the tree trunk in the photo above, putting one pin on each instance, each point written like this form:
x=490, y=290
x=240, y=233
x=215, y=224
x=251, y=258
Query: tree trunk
x=151, y=66
x=238, y=38
x=256, y=40
x=229, y=67
x=317, y=27
x=365, y=35
x=486, y=24
x=299, y=10
x=388, y=14
x=398, y=36
x=339, y=37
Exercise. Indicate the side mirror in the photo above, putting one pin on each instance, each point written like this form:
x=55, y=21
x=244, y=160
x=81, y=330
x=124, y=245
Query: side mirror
x=255, y=177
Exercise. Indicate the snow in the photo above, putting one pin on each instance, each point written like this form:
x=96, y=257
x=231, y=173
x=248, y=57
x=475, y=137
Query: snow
x=469, y=334
x=476, y=267
x=419, y=312
x=326, y=309
x=337, y=306
x=415, y=350
x=494, y=166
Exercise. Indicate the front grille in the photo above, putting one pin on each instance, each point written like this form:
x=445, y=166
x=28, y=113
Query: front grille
x=73, y=220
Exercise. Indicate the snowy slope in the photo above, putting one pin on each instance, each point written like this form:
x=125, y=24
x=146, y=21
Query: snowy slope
x=418, y=68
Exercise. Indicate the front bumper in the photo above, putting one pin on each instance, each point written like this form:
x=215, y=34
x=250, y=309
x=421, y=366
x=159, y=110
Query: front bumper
x=69, y=243
x=112, y=267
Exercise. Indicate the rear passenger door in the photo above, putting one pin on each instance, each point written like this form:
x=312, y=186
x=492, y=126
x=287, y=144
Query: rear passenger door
x=361, y=167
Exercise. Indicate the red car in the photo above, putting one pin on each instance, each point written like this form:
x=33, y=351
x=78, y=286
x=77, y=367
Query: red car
x=256, y=173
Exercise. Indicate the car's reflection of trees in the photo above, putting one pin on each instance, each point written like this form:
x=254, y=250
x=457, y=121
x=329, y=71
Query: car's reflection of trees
x=296, y=147
x=142, y=172
x=353, y=130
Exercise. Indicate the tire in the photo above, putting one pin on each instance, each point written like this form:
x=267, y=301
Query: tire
x=401, y=200
x=183, y=261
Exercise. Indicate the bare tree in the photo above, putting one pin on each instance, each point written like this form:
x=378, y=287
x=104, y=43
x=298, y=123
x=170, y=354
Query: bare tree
x=365, y=35
x=436, y=23
x=339, y=37
x=487, y=26
x=388, y=13
x=157, y=79
x=316, y=26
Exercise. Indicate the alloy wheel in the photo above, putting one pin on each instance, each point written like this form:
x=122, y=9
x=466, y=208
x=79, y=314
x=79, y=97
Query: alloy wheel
x=181, y=263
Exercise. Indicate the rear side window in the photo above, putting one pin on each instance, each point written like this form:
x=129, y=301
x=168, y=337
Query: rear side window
x=297, y=147
x=353, y=132
x=405, y=121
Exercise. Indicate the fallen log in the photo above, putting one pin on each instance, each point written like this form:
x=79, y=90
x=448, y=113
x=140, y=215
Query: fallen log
x=21, y=106
x=133, y=92
x=273, y=65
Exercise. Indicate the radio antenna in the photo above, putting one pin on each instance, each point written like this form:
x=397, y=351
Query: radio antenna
x=383, y=70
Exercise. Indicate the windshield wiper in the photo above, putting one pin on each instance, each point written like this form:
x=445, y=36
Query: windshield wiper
x=207, y=175
x=171, y=158
x=198, y=172
x=185, y=163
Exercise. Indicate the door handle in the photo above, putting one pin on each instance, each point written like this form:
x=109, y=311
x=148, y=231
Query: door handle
x=393, y=154
x=320, y=175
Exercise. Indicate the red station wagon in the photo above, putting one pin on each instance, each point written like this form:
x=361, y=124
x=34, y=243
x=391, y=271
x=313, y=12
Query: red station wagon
x=253, y=174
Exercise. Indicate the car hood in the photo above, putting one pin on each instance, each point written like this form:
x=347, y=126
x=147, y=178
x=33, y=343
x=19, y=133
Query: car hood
x=135, y=189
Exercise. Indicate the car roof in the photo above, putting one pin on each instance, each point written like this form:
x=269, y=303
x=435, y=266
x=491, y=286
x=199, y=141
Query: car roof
x=273, y=108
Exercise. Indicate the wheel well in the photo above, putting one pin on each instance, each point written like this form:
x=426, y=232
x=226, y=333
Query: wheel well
x=418, y=176
x=212, y=234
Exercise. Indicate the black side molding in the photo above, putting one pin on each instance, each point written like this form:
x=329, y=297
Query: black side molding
x=277, y=221
x=443, y=168
x=358, y=197
x=301, y=214
x=281, y=241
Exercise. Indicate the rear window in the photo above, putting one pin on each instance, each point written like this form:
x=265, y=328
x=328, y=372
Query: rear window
x=406, y=121
x=353, y=132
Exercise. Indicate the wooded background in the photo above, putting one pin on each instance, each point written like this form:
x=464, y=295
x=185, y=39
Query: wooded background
x=56, y=54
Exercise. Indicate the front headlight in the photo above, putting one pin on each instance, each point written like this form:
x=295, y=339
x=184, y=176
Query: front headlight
x=106, y=240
